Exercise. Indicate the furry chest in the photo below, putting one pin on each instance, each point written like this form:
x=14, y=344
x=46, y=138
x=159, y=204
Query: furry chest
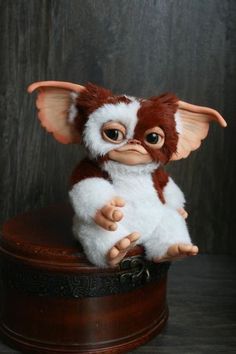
x=143, y=208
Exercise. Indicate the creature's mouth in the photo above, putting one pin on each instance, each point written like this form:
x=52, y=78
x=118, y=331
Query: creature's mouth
x=134, y=148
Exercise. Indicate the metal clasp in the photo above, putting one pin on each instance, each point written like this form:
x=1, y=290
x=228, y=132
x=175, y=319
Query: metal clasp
x=138, y=274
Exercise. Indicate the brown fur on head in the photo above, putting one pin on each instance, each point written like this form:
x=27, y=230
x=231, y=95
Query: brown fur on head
x=156, y=111
x=159, y=111
x=91, y=98
x=71, y=112
x=95, y=96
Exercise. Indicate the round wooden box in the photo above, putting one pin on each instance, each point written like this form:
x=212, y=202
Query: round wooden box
x=54, y=301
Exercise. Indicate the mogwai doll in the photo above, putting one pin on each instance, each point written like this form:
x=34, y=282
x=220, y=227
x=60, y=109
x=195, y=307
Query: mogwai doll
x=120, y=193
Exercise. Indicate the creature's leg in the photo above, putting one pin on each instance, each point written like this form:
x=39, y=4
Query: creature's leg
x=170, y=240
x=103, y=248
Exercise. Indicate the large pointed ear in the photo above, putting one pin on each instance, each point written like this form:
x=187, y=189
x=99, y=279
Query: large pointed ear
x=56, y=103
x=192, y=124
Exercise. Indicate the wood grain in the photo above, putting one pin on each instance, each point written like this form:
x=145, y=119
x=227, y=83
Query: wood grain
x=141, y=47
x=202, y=302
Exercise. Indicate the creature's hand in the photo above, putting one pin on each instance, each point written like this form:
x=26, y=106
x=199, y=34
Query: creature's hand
x=108, y=216
x=183, y=213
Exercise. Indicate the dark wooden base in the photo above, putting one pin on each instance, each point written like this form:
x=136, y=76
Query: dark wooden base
x=26, y=345
x=115, y=324
x=37, y=327
x=52, y=298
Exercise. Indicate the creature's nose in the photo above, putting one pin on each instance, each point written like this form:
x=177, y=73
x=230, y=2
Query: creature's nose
x=134, y=141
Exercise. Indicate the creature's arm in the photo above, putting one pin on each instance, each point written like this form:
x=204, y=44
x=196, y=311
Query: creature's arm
x=168, y=191
x=89, y=196
x=93, y=196
x=90, y=190
x=174, y=197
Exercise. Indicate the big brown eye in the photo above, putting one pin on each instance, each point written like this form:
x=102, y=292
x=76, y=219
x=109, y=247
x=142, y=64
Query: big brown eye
x=114, y=134
x=152, y=138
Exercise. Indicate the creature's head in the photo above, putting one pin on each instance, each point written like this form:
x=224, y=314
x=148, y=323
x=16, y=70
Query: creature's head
x=125, y=129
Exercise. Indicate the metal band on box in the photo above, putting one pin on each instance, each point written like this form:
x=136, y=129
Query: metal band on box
x=134, y=272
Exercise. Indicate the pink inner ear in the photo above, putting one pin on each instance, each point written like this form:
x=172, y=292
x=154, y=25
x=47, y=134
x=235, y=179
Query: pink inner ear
x=194, y=126
x=54, y=102
x=211, y=113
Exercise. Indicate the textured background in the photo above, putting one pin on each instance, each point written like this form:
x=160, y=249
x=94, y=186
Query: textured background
x=140, y=47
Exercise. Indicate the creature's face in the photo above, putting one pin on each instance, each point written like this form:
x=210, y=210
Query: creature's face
x=125, y=129
x=121, y=128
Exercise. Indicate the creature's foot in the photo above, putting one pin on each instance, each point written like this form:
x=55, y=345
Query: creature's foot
x=178, y=251
x=118, y=252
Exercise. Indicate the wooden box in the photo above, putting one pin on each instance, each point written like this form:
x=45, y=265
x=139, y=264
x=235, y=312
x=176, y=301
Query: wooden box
x=54, y=301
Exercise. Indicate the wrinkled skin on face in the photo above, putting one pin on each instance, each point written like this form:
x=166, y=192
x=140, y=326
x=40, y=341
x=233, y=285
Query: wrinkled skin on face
x=130, y=154
x=154, y=139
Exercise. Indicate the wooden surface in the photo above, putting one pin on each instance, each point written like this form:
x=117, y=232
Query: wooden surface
x=141, y=47
x=53, y=300
x=46, y=235
x=202, y=302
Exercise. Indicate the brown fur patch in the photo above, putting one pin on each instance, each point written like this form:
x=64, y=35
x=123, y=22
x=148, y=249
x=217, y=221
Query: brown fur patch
x=86, y=169
x=92, y=98
x=160, y=179
x=159, y=111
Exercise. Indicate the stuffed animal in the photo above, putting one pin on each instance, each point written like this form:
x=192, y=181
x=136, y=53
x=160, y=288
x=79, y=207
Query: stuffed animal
x=120, y=193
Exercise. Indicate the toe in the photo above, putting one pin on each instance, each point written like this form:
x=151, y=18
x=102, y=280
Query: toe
x=195, y=250
x=172, y=251
x=118, y=252
x=134, y=236
x=113, y=253
x=184, y=248
x=123, y=244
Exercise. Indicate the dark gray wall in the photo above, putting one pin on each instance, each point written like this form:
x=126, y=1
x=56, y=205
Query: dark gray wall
x=140, y=47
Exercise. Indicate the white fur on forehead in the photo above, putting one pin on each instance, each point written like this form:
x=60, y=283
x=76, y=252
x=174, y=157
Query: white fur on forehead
x=124, y=113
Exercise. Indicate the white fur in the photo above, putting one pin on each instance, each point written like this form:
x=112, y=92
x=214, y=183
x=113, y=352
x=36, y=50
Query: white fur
x=178, y=122
x=89, y=195
x=73, y=110
x=174, y=197
x=170, y=230
x=131, y=98
x=121, y=112
x=158, y=224
x=95, y=240
x=115, y=168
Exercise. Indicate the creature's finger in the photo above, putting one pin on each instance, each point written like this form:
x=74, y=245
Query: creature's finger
x=118, y=201
x=183, y=213
x=102, y=221
x=111, y=213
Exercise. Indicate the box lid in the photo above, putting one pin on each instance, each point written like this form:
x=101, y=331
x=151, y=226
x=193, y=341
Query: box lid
x=44, y=238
